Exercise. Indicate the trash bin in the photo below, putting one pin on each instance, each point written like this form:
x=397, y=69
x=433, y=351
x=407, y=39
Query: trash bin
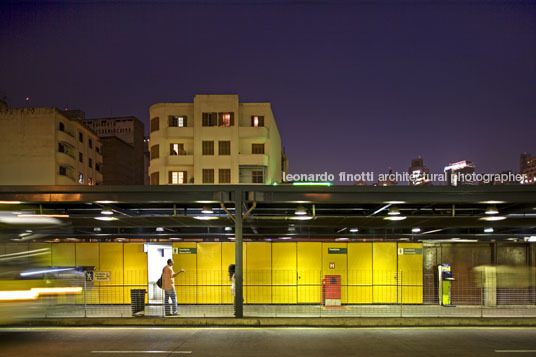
x=137, y=301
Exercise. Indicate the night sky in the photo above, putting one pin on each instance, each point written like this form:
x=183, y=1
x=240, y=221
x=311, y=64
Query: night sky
x=354, y=86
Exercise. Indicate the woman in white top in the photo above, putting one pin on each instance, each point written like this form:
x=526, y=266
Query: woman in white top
x=232, y=269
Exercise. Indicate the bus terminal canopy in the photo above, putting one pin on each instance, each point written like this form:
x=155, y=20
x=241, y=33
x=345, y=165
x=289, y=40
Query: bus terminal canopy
x=284, y=212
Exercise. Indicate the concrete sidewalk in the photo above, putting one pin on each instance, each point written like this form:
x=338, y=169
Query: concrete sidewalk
x=275, y=322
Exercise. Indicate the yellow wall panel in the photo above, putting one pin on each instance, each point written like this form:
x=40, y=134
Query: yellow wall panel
x=359, y=294
x=259, y=264
x=309, y=294
x=87, y=254
x=228, y=258
x=209, y=270
x=111, y=259
x=360, y=264
x=209, y=294
x=384, y=264
x=63, y=254
x=410, y=265
x=110, y=294
x=226, y=297
x=135, y=263
x=284, y=264
x=188, y=262
x=333, y=253
x=284, y=295
x=309, y=263
x=43, y=255
x=258, y=294
x=384, y=294
x=186, y=294
x=410, y=294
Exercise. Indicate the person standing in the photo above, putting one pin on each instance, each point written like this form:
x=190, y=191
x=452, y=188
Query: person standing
x=168, y=285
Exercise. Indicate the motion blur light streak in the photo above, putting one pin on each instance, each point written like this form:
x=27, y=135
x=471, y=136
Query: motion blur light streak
x=38, y=272
x=14, y=295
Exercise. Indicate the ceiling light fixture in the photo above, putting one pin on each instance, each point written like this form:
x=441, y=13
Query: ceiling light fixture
x=393, y=211
x=415, y=230
x=492, y=209
x=488, y=230
x=302, y=218
x=107, y=211
x=354, y=230
x=205, y=218
x=300, y=211
x=159, y=229
x=395, y=218
x=207, y=210
x=105, y=218
x=493, y=218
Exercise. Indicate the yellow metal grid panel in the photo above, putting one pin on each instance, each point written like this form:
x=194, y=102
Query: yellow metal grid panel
x=284, y=274
x=384, y=264
x=259, y=273
x=135, y=269
x=185, y=283
x=309, y=264
x=87, y=254
x=360, y=273
x=111, y=260
x=209, y=273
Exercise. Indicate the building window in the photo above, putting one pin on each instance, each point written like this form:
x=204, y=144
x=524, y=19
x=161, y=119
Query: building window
x=225, y=119
x=208, y=175
x=257, y=176
x=257, y=148
x=179, y=122
x=224, y=175
x=81, y=137
x=62, y=126
x=257, y=121
x=155, y=178
x=80, y=178
x=63, y=171
x=178, y=177
x=81, y=157
x=61, y=147
x=209, y=119
x=176, y=149
x=208, y=147
x=218, y=119
x=155, y=152
x=97, y=167
x=90, y=163
x=97, y=149
x=90, y=143
x=90, y=181
x=155, y=124
x=224, y=148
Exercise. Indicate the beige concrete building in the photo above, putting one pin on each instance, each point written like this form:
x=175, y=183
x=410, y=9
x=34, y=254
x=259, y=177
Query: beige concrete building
x=42, y=146
x=126, y=168
x=214, y=140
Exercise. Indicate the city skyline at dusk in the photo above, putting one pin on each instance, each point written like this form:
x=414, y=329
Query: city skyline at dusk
x=353, y=87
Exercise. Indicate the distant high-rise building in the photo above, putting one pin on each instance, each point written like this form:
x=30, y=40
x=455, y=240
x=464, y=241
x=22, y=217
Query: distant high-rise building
x=43, y=146
x=460, y=173
x=418, y=173
x=390, y=181
x=527, y=167
x=126, y=168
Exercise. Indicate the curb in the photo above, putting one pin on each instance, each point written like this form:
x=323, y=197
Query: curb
x=275, y=322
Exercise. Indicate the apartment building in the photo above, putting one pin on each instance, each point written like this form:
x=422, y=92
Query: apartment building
x=42, y=146
x=122, y=148
x=214, y=140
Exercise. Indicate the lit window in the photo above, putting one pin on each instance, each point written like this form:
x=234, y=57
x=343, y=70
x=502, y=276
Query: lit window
x=177, y=149
x=178, y=177
x=257, y=121
x=226, y=119
x=81, y=178
x=90, y=181
x=178, y=121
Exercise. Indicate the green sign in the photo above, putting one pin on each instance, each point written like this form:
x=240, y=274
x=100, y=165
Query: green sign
x=409, y=251
x=187, y=250
x=337, y=250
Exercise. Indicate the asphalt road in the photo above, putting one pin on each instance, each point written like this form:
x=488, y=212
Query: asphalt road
x=277, y=342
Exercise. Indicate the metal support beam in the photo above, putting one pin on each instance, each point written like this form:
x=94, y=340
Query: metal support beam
x=239, y=301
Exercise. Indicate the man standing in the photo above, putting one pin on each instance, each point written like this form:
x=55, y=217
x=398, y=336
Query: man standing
x=168, y=285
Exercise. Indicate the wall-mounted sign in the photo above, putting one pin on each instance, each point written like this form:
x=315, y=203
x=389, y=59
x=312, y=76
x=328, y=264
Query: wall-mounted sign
x=89, y=275
x=332, y=265
x=409, y=251
x=101, y=276
x=337, y=250
x=184, y=250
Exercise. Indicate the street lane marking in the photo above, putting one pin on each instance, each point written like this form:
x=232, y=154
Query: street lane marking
x=156, y=352
x=515, y=351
